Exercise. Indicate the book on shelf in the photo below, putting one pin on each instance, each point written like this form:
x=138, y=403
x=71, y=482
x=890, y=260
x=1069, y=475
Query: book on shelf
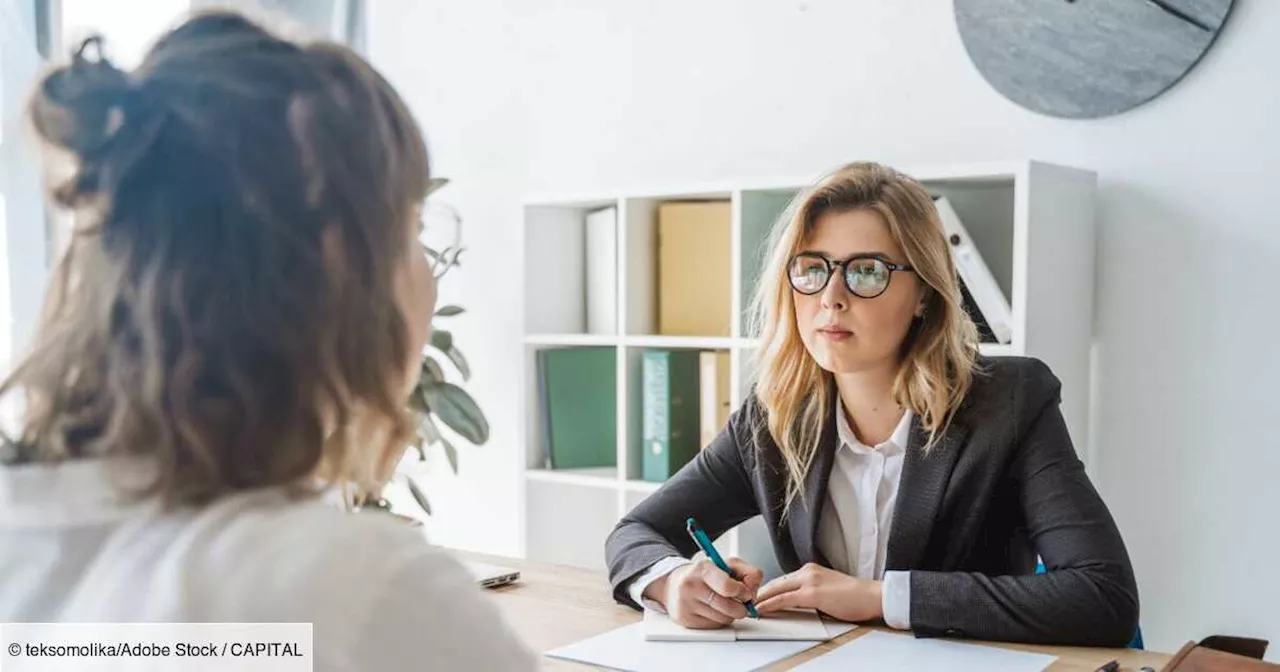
x=577, y=401
x=984, y=300
x=601, y=286
x=671, y=416
x=694, y=276
x=713, y=380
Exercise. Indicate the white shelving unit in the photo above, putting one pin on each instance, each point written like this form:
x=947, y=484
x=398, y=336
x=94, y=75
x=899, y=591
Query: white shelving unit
x=1032, y=221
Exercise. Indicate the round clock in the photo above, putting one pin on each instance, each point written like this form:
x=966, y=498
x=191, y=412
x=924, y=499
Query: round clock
x=1087, y=58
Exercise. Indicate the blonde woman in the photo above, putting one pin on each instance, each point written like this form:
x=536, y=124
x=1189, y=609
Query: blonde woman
x=236, y=324
x=902, y=477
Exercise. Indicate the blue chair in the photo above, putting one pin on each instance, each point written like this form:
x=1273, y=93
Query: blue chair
x=1135, y=643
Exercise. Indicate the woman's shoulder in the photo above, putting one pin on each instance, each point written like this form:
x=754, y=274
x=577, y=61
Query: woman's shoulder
x=359, y=577
x=313, y=543
x=1011, y=384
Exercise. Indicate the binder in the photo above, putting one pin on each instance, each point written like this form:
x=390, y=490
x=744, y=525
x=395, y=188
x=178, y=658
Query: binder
x=602, y=271
x=713, y=378
x=975, y=277
x=577, y=399
x=670, y=411
x=694, y=276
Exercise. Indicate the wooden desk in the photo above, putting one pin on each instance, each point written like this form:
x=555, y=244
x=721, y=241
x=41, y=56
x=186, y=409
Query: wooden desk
x=553, y=606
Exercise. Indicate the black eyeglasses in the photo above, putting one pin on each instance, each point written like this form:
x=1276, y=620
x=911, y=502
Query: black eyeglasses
x=865, y=275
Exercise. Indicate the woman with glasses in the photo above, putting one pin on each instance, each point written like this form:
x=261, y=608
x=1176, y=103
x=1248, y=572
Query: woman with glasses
x=234, y=331
x=902, y=477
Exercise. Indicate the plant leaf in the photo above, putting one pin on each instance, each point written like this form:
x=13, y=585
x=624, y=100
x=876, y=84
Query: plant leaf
x=455, y=356
x=457, y=410
x=431, y=370
x=449, y=311
x=441, y=340
x=418, y=401
x=451, y=453
x=427, y=430
x=418, y=496
x=436, y=183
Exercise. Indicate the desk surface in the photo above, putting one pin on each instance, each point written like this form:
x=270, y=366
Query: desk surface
x=552, y=606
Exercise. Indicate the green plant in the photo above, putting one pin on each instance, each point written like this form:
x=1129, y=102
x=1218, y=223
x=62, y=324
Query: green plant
x=434, y=399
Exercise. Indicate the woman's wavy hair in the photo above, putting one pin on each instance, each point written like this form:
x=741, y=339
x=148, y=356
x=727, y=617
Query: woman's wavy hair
x=226, y=303
x=938, y=356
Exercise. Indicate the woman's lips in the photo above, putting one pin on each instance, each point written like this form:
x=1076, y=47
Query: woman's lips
x=835, y=333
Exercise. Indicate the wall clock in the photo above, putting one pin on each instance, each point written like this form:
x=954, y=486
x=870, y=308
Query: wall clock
x=1087, y=58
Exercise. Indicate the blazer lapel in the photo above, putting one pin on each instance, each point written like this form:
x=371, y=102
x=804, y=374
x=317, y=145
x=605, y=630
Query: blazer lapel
x=920, y=491
x=804, y=515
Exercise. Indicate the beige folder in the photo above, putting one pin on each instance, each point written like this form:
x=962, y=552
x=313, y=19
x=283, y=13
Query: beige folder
x=694, y=280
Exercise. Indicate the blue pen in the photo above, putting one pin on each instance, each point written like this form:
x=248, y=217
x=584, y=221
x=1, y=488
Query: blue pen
x=704, y=542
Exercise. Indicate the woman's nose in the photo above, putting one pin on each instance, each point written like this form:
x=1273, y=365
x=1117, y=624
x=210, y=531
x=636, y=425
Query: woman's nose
x=835, y=296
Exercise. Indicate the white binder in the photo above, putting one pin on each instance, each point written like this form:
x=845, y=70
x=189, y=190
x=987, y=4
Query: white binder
x=602, y=271
x=976, y=275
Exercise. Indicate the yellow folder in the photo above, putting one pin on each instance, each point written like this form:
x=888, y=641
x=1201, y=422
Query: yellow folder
x=693, y=268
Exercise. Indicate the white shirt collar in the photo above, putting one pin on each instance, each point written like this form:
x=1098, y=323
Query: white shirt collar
x=898, y=439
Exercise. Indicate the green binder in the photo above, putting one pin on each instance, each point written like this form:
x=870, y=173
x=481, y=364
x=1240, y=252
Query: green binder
x=670, y=410
x=577, y=397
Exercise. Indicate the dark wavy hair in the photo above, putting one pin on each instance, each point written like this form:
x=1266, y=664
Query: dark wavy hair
x=226, y=303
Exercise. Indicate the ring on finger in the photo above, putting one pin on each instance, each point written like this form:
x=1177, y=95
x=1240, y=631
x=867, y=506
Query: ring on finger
x=711, y=597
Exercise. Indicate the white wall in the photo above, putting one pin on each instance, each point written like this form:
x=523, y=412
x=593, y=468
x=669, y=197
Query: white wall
x=603, y=94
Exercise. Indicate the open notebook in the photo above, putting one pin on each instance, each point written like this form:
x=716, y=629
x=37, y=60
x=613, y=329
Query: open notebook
x=796, y=625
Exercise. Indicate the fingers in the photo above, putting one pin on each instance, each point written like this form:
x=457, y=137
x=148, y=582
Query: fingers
x=729, y=607
x=712, y=610
x=801, y=598
x=725, y=585
x=712, y=613
x=699, y=599
x=751, y=576
x=783, y=584
x=719, y=592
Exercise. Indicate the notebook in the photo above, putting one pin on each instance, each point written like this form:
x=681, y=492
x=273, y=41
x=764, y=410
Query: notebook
x=796, y=626
x=626, y=649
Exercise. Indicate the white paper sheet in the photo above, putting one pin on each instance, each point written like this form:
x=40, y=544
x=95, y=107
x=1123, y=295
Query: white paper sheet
x=626, y=649
x=885, y=652
x=796, y=625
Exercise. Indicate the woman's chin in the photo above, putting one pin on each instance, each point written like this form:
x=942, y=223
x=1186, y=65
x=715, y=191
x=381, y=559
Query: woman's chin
x=847, y=358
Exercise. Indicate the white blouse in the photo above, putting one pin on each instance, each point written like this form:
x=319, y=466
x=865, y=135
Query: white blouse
x=853, y=530
x=378, y=595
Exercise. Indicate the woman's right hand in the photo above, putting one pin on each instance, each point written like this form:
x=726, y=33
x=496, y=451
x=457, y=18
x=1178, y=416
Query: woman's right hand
x=700, y=595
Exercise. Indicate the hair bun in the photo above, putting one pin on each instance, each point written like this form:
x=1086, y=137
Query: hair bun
x=79, y=106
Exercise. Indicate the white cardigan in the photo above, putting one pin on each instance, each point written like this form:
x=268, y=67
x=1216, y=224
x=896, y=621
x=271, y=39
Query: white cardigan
x=379, y=596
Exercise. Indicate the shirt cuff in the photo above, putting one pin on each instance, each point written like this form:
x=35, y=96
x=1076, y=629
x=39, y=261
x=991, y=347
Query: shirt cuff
x=896, y=600
x=656, y=571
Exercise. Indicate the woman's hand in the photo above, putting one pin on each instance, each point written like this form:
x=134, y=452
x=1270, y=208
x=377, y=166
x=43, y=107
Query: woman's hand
x=815, y=587
x=700, y=595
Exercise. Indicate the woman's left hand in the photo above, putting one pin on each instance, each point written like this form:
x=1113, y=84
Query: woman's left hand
x=815, y=587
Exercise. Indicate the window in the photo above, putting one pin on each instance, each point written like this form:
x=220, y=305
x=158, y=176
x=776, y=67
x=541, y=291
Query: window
x=22, y=231
x=129, y=28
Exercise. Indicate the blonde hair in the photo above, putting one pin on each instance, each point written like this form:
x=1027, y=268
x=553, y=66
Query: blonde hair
x=939, y=355
x=196, y=318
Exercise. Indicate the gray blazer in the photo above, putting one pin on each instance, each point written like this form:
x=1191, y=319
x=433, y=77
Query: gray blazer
x=1000, y=486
